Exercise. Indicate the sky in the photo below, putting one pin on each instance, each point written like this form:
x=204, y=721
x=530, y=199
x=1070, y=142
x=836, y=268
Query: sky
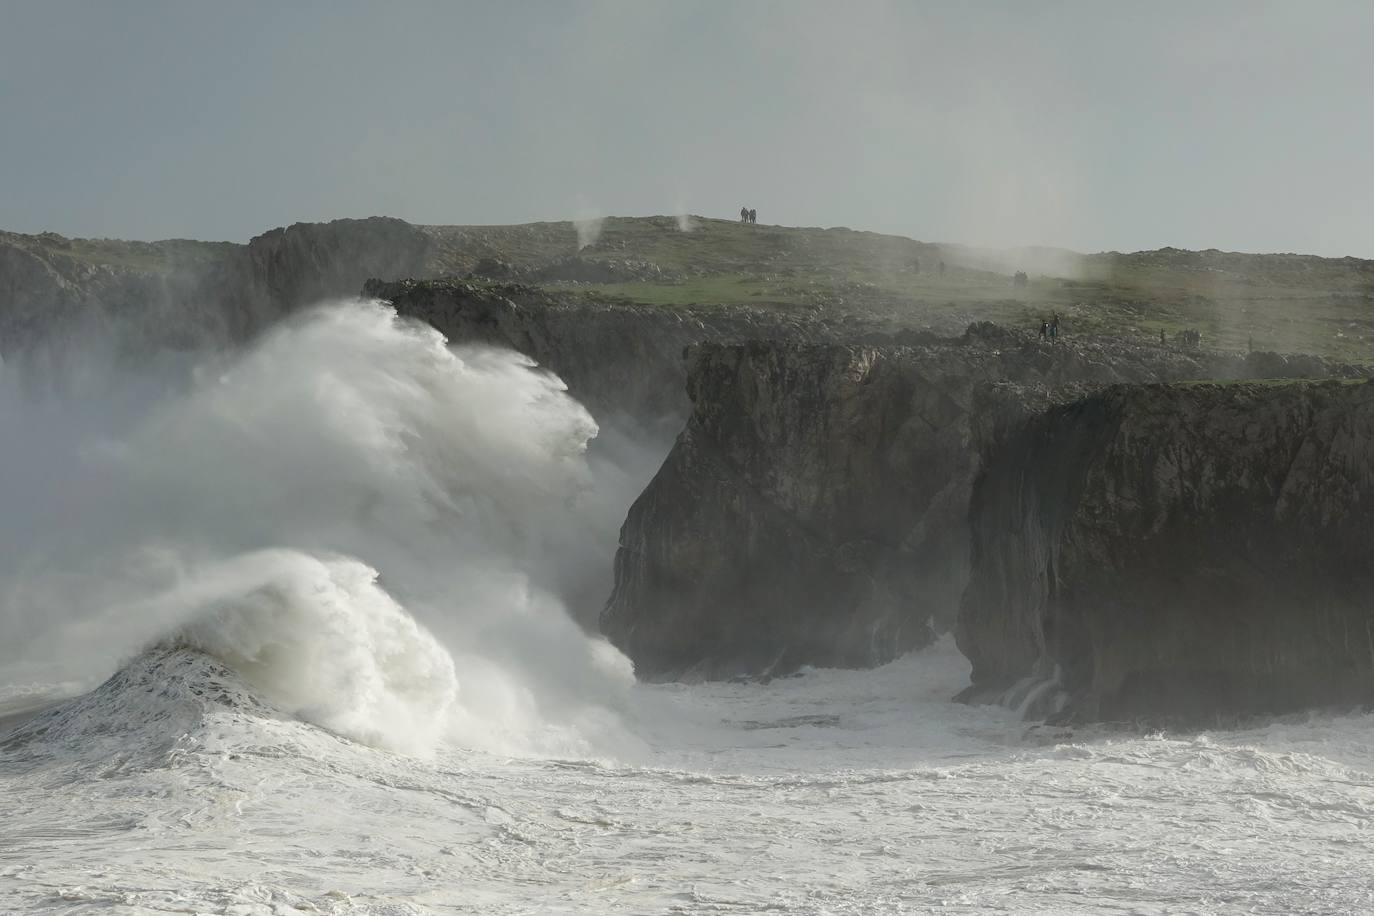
x=1089, y=125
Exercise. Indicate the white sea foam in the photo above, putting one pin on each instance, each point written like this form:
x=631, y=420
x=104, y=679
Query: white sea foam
x=245, y=502
x=353, y=532
x=831, y=793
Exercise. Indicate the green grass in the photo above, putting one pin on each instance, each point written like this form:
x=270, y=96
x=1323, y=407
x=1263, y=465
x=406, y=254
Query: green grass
x=1288, y=303
x=157, y=257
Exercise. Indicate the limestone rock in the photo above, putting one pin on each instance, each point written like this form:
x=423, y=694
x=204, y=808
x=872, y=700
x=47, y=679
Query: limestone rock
x=1180, y=552
x=814, y=511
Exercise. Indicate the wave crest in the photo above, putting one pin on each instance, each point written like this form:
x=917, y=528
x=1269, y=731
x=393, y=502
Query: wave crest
x=253, y=504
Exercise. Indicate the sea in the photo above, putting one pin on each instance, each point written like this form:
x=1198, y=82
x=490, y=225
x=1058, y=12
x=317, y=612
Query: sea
x=304, y=628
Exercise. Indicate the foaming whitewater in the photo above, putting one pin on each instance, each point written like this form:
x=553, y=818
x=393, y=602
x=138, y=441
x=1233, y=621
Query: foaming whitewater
x=307, y=603
x=370, y=526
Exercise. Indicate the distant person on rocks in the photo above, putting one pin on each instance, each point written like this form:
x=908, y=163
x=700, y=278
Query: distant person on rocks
x=744, y=214
x=753, y=217
x=1054, y=326
x=1161, y=337
x=1044, y=329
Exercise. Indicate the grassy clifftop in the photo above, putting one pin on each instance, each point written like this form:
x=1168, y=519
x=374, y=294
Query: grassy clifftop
x=1279, y=302
x=153, y=257
x=1291, y=303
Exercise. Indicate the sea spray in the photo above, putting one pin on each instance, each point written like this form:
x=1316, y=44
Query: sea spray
x=588, y=230
x=242, y=502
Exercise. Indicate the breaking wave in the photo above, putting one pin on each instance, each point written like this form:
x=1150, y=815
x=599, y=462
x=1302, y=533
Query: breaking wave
x=373, y=529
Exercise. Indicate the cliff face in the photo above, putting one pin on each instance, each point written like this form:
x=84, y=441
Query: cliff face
x=1180, y=551
x=778, y=531
x=618, y=358
x=623, y=360
x=184, y=293
x=814, y=509
x=307, y=262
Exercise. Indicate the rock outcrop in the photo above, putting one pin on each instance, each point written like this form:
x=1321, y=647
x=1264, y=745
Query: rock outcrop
x=814, y=511
x=784, y=527
x=307, y=262
x=618, y=358
x=178, y=293
x=1179, y=552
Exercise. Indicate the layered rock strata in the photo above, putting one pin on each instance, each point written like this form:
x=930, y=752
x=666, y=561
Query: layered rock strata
x=1179, y=552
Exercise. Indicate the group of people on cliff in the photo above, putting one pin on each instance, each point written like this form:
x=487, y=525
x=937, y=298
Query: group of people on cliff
x=748, y=216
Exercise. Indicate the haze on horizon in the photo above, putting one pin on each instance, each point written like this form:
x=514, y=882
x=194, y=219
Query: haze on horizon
x=1235, y=125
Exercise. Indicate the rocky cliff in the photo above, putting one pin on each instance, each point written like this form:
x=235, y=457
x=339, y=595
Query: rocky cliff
x=814, y=509
x=784, y=527
x=1179, y=551
x=182, y=293
x=307, y=262
x=619, y=359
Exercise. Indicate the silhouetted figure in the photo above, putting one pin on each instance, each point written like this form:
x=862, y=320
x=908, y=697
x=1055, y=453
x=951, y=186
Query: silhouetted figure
x=1044, y=329
x=744, y=214
x=753, y=216
x=1020, y=278
x=1162, y=342
x=1054, y=326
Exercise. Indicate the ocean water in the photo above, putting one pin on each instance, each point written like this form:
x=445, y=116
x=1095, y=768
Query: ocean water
x=174, y=790
x=296, y=626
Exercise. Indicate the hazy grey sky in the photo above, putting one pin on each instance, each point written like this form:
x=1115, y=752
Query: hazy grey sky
x=1093, y=125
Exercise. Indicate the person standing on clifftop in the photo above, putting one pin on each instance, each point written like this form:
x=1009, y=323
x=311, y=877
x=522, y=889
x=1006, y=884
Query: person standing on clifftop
x=744, y=214
x=753, y=217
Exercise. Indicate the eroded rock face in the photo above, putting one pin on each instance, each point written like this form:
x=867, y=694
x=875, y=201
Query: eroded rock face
x=307, y=262
x=1180, y=551
x=779, y=532
x=618, y=358
x=814, y=511
x=615, y=359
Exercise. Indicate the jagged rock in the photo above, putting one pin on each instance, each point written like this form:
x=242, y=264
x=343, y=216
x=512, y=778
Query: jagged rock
x=810, y=513
x=618, y=359
x=814, y=509
x=772, y=535
x=1180, y=551
x=307, y=262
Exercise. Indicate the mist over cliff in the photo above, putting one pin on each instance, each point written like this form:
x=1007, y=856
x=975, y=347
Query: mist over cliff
x=823, y=409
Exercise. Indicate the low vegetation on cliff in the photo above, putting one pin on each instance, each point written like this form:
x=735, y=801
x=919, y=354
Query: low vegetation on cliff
x=1280, y=302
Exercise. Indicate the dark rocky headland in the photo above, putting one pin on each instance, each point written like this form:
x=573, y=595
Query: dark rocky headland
x=874, y=444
